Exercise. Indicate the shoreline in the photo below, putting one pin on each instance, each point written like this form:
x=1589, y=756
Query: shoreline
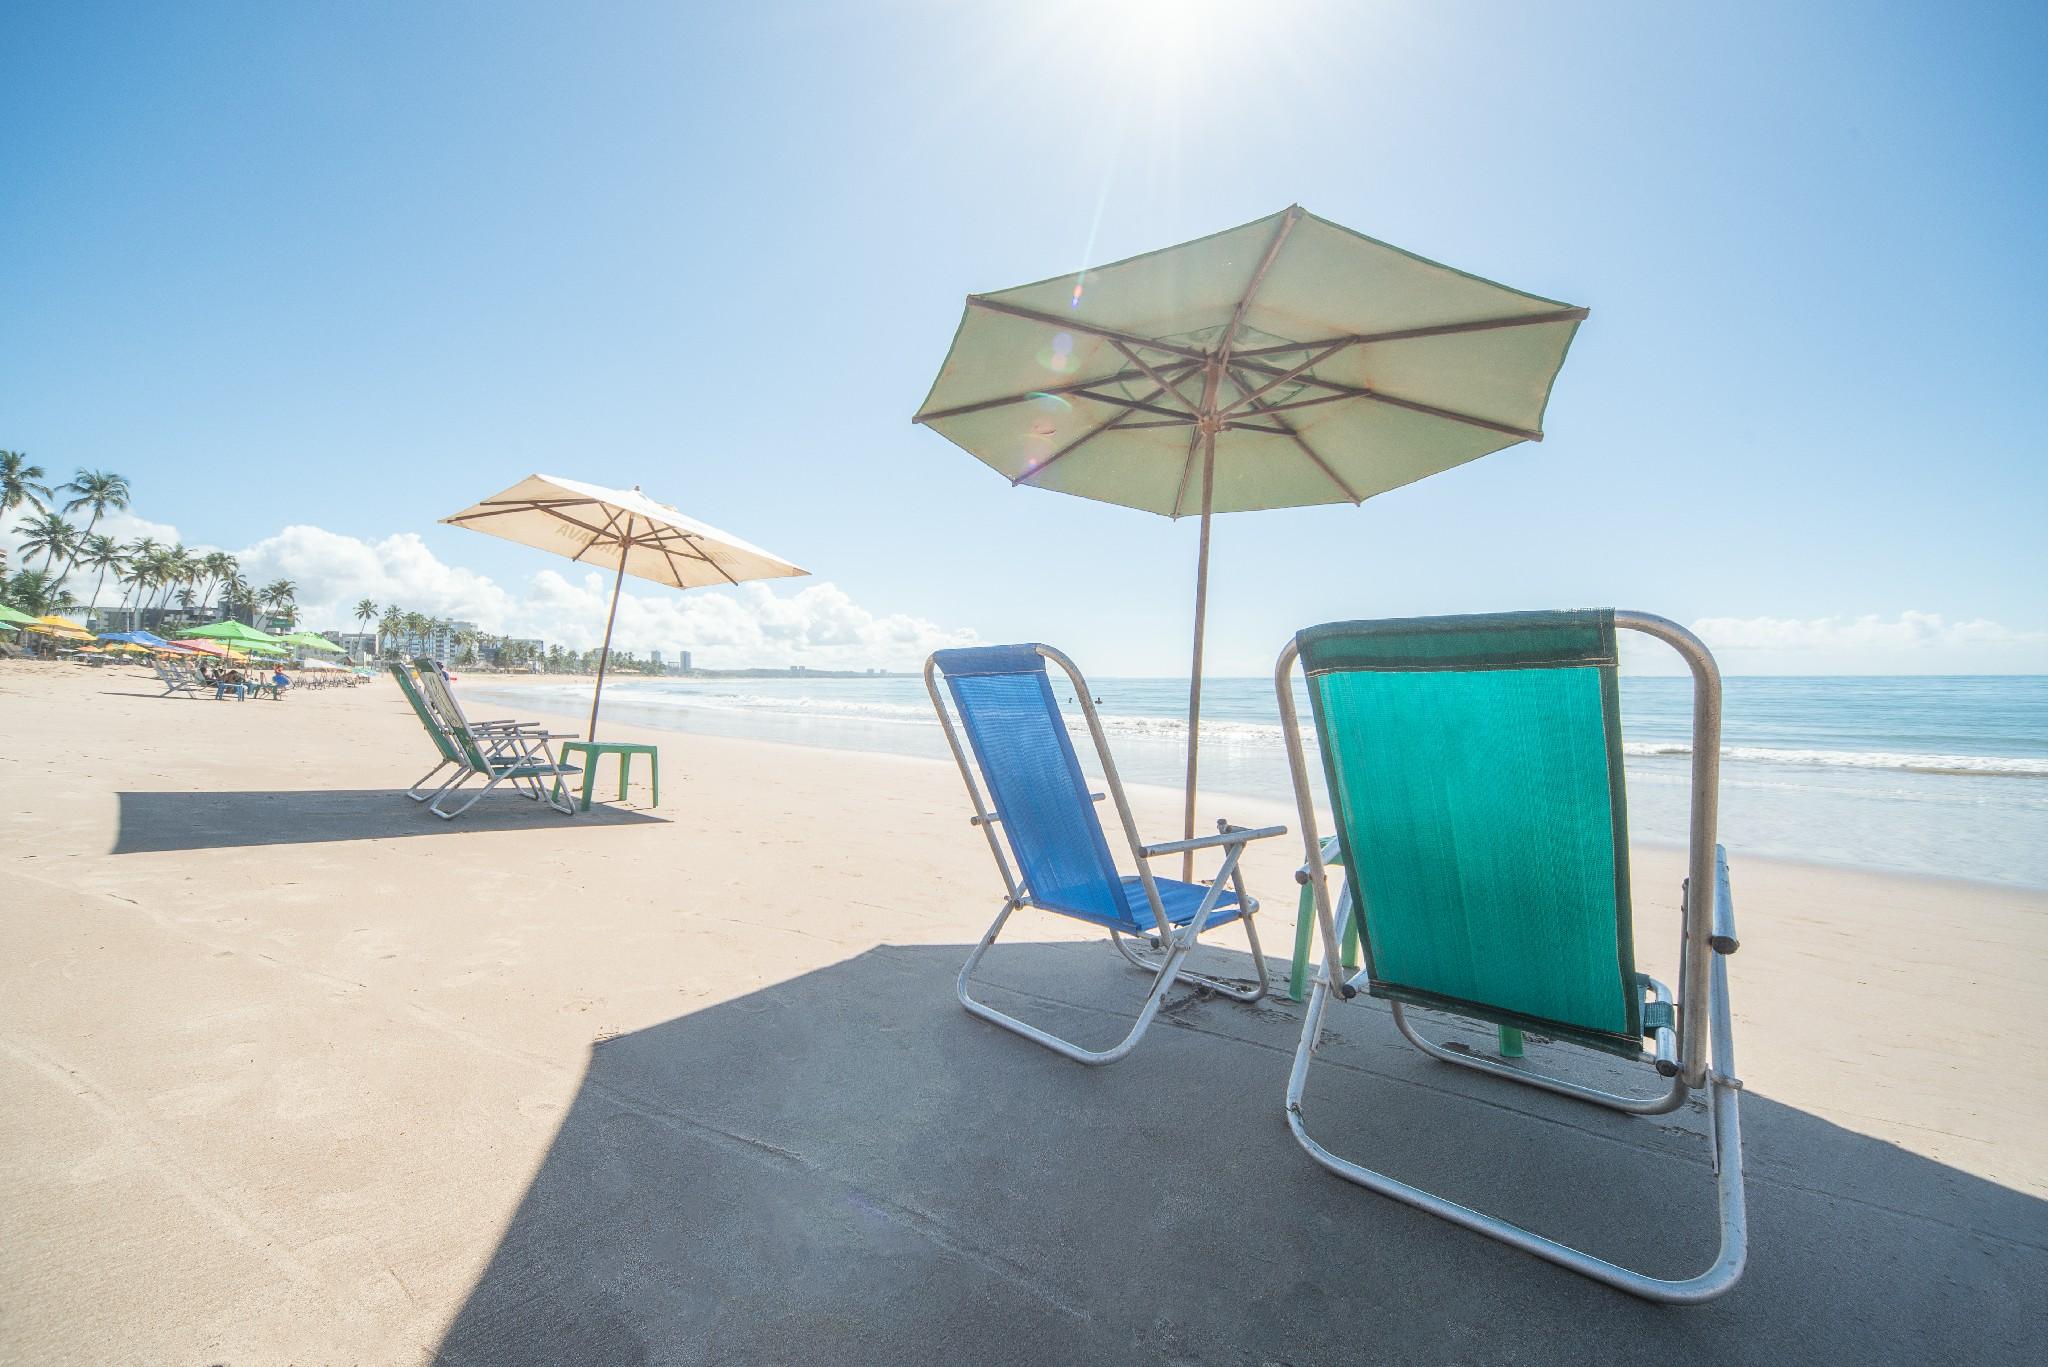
x=1758, y=814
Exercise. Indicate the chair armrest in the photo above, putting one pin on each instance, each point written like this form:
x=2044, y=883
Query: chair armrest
x=1723, y=939
x=1332, y=847
x=1237, y=835
x=992, y=820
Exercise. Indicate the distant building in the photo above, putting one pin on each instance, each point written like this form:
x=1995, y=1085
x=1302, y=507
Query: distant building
x=682, y=662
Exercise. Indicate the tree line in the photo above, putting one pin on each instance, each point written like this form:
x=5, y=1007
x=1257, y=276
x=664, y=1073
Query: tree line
x=152, y=576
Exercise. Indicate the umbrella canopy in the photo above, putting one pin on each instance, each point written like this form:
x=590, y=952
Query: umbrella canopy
x=1286, y=362
x=148, y=639
x=311, y=640
x=622, y=530
x=61, y=627
x=10, y=616
x=232, y=632
x=214, y=648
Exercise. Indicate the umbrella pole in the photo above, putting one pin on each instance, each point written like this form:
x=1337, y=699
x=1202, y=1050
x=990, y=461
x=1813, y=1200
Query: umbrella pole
x=604, y=653
x=1187, y=831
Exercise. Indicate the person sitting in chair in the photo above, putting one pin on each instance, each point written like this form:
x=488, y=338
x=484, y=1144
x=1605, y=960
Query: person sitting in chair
x=279, y=682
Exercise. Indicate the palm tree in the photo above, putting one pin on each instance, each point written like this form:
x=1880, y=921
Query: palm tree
x=365, y=611
x=169, y=571
x=215, y=569
x=388, y=627
x=280, y=596
x=50, y=534
x=239, y=592
x=101, y=553
x=21, y=482
x=36, y=593
x=416, y=625
x=138, y=555
x=98, y=490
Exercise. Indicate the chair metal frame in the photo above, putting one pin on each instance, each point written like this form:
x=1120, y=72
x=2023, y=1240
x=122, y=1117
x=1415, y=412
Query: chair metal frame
x=1171, y=944
x=516, y=752
x=173, y=676
x=1683, y=1056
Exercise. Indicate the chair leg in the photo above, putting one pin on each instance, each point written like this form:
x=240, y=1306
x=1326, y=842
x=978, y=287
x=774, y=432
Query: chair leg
x=1217, y=985
x=1727, y=1152
x=419, y=792
x=1167, y=974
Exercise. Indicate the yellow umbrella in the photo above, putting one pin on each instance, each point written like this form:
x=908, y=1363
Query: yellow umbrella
x=61, y=627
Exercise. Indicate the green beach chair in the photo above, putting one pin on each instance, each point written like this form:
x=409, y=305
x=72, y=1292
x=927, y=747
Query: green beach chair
x=1474, y=769
x=451, y=757
x=498, y=752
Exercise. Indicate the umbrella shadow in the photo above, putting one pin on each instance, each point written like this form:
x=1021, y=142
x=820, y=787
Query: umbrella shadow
x=845, y=1167
x=152, y=822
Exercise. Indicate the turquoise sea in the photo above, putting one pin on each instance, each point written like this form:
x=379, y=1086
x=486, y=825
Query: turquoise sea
x=1945, y=776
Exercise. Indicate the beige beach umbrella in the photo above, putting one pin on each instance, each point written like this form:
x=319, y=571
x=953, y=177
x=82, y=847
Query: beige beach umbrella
x=622, y=530
x=1286, y=362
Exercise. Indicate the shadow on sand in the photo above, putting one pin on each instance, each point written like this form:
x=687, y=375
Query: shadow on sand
x=847, y=1168
x=154, y=821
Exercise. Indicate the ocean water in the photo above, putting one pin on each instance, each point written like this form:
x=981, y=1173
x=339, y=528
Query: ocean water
x=1944, y=776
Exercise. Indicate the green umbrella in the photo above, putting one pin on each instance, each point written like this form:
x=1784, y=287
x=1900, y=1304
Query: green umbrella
x=232, y=633
x=311, y=640
x=1286, y=362
x=9, y=615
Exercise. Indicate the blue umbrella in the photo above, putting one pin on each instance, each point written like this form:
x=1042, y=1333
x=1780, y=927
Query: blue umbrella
x=137, y=638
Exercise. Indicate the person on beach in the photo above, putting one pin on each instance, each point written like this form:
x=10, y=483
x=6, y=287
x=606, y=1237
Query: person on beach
x=278, y=682
x=231, y=679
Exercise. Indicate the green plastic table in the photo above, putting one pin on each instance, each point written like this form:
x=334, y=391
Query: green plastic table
x=625, y=750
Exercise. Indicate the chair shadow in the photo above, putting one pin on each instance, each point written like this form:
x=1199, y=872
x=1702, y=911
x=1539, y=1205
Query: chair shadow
x=152, y=822
x=845, y=1167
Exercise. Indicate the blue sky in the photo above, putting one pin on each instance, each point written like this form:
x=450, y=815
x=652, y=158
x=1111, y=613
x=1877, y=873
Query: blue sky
x=352, y=267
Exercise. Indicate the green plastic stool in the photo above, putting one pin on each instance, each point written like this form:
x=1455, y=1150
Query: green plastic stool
x=625, y=750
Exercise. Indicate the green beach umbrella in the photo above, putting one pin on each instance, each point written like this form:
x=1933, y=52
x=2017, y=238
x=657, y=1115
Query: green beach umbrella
x=232, y=633
x=311, y=640
x=1286, y=362
x=12, y=618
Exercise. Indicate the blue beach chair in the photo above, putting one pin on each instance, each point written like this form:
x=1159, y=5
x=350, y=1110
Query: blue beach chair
x=1474, y=771
x=1037, y=795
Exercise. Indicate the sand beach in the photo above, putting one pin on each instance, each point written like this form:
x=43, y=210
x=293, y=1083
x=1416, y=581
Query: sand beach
x=298, y=1073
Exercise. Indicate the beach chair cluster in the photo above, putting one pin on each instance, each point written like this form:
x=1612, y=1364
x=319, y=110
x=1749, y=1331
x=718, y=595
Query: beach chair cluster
x=179, y=677
x=498, y=750
x=1472, y=770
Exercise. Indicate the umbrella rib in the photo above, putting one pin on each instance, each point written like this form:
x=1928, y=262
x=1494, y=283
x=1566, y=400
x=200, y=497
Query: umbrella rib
x=1136, y=405
x=1287, y=429
x=492, y=508
x=1570, y=315
x=1035, y=471
x=977, y=301
x=1169, y=386
x=713, y=564
x=596, y=537
x=1349, y=391
x=666, y=535
x=983, y=405
x=1244, y=301
x=1252, y=396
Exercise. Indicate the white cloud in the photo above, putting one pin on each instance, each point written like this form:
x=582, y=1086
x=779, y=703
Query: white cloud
x=1908, y=632
x=1910, y=642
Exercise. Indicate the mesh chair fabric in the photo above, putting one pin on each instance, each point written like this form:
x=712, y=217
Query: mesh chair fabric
x=1474, y=766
